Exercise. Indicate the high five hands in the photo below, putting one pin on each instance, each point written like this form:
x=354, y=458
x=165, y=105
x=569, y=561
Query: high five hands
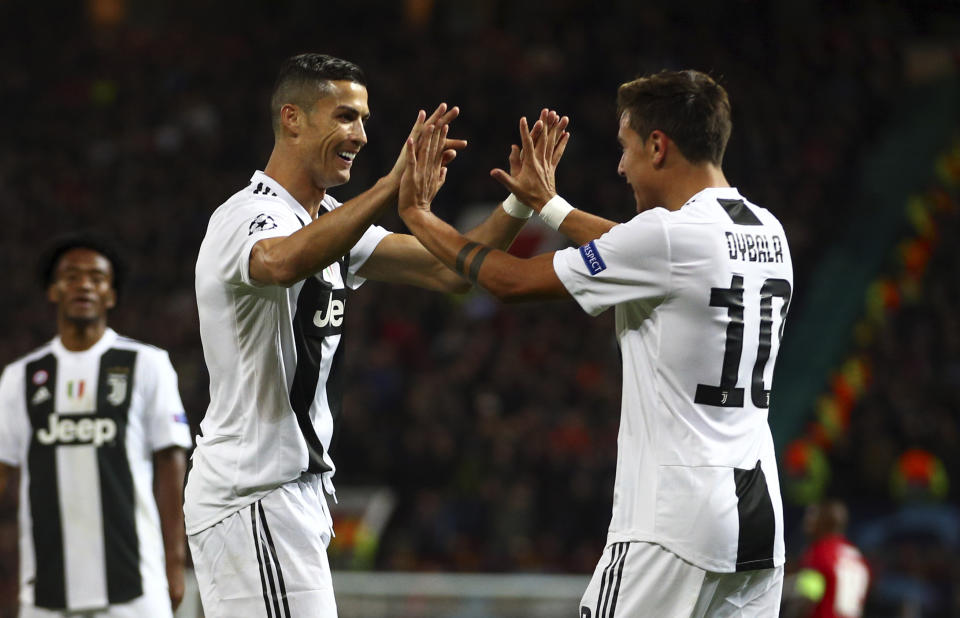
x=533, y=165
x=441, y=117
x=426, y=170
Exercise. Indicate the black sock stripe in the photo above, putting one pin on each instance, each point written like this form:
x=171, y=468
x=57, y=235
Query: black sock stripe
x=616, y=591
x=276, y=560
x=256, y=544
x=601, y=598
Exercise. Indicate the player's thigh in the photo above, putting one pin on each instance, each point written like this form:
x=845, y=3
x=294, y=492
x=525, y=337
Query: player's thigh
x=268, y=559
x=641, y=579
x=747, y=594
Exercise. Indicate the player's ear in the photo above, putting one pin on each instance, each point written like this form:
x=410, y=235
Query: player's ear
x=110, y=301
x=291, y=117
x=53, y=293
x=657, y=147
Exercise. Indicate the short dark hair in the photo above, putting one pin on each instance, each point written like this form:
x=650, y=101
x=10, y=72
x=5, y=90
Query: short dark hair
x=50, y=257
x=688, y=106
x=304, y=78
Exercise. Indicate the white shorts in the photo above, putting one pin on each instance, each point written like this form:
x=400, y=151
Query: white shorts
x=644, y=579
x=150, y=603
x=268, y=559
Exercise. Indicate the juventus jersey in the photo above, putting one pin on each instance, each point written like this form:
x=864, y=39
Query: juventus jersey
x=274, y=355
x=700, y=296
x=83, y=427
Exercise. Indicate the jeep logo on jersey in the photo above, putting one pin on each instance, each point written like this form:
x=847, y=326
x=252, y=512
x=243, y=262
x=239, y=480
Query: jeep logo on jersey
x=76, y=429
x=331, y=315
x=117, y=380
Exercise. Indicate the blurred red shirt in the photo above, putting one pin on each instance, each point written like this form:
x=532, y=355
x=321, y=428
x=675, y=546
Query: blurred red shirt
x=846, y=575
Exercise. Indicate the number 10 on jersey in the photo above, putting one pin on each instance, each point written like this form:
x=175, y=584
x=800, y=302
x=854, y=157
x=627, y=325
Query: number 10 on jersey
x=728, y=394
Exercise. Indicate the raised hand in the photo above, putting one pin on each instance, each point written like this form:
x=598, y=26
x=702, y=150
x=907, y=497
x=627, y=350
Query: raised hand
x=533, y=165
x=440, y=117
x=425, y=171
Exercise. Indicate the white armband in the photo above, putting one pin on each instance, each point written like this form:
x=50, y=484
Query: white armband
x=516, y=209
x=554, y=211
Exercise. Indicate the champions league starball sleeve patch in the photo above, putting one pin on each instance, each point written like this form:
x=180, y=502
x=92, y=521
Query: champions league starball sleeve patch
x=262, y=223
x=591, y=257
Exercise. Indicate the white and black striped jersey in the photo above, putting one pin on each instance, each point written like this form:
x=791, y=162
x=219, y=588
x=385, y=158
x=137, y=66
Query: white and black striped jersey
x=701, y=295
x=273, y=354
x=83, y=428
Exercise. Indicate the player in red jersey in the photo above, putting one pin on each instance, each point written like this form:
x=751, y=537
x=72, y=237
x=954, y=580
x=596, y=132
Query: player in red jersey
x=833, y=577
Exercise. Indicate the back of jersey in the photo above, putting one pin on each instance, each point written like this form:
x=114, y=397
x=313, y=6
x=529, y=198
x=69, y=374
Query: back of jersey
x=700, y=294
x=722, y=322
x=718, y=334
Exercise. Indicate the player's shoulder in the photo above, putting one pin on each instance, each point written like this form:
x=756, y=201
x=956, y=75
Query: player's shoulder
x=19, y=364
x=142, y=348
x=722, y=205
x=256, y=195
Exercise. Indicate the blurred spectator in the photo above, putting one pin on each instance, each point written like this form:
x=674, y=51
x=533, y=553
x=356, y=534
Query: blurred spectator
x=833, y=578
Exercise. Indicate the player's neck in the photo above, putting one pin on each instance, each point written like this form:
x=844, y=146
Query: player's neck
x=293, y=177
x=78, y=336
x=689, y=181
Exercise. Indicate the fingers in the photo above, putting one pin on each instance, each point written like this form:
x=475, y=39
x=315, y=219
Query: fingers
x=505, y=179
x=418, y=125
x=561, y=146
x=515, y=159
x=437, y=113
x=526, y=142
x=454, y=144
x=449, y=116
x=411, y=151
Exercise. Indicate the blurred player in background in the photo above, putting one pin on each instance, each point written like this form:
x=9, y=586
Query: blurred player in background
x=834, y=577
x=93, y=425
x=271, y=282
x=701, y=281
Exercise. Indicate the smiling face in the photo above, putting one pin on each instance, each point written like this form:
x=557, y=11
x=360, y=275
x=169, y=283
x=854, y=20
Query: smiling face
x=636, y=164
x=82, y=286
x=331, y=133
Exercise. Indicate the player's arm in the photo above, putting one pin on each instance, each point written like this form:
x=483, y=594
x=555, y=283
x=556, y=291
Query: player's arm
x=534, y=182
x=169, y=469
x=7, y=472
x=401, y=258
x=505, y=276
x=289, y=259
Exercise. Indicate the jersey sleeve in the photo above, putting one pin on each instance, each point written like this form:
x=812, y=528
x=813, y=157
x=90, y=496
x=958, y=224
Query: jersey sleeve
x=14, y=425
x=244, y=227
x=165, y=421
x=362, y=251
x=631, y=262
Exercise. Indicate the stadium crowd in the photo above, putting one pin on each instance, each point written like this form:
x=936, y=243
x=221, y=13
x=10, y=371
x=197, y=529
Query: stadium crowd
x=496, y=426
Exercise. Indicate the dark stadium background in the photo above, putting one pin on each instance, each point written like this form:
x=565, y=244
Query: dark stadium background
x=496, y=426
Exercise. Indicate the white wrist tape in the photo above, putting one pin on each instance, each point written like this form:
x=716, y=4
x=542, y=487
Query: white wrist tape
x=554, y=211
x=515, y=208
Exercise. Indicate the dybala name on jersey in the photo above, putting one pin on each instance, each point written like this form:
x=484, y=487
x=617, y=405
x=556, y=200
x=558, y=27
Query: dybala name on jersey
x=760, y=248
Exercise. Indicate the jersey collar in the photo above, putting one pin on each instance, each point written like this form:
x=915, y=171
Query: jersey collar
x=109, y=336
x=715, y=192
x=276, y=187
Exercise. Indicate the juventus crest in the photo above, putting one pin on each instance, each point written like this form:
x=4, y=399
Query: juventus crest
x=117, y=380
